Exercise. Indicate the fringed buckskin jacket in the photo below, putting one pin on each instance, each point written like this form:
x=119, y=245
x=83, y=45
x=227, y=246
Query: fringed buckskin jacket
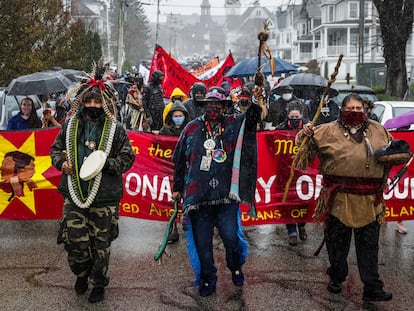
x=353, y=179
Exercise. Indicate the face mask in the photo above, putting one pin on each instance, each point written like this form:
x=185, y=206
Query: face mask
x=52, y=104
x=353, y=118
x=212, y=114
x=295, y=123
x=287, y=96
x=244, y=102
x=178, y=120
x=93, y=112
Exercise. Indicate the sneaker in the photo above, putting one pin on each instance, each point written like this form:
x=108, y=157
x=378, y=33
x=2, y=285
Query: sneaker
x=334, y=287
x=237, y=277
x=207, y=288
x=401, y=228
x=293, y=240
x=377, y=296
x=81, y=285
x=97, y=294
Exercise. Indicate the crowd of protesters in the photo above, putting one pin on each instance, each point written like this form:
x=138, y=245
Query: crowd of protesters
x=206, y=152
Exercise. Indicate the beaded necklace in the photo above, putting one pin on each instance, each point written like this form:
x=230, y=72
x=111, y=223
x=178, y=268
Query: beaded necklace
x=105, y=144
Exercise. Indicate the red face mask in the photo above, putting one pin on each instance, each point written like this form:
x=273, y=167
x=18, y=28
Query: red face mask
x=212, y=114
x=353, y=118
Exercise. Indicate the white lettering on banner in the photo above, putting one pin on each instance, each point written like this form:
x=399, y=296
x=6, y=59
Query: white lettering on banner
x=137, y=178
x=152, y=187
x=404, y=194
x=313, y=191
x=266, y=187
x=139, y=185
x=402, y=191
x=407, y=191
x=165, y=189
x=144, y=185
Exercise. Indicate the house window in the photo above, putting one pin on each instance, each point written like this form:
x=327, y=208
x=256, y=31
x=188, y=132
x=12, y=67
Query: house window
x=258, y=12
x=354, y=41
x=366, y=8
x=330, y=13
x=353, y=10
x=302, y=29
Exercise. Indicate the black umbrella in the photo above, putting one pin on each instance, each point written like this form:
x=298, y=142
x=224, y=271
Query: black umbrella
x=73, y=74
x=38, y=83
x=305, y=85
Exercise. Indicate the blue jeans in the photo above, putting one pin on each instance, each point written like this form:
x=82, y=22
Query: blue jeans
x=291, y=228
x=225, y=218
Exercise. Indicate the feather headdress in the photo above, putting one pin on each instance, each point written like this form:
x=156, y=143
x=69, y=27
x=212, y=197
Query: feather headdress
x=96, y=83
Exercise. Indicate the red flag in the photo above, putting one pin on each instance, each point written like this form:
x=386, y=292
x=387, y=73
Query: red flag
x=177, y=76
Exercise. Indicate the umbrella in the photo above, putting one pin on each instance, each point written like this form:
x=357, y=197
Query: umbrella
x=305, y=85
x=73, y=74
x=404, y=119
x=248, y=67
x=39, y=83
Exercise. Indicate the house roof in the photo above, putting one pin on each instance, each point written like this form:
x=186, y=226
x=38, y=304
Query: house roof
x=84, y=10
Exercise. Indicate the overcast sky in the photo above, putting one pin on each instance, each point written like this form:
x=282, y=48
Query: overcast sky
x=187, y=7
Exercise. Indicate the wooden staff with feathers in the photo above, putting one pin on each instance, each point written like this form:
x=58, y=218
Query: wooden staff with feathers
x=296, y=159
x=259, y=78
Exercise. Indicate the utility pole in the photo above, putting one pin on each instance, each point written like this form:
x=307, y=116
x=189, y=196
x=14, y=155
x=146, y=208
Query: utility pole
x=108, y=35
x=374, y=42
x=158, y=22
x=121, y=16
x=361, y=32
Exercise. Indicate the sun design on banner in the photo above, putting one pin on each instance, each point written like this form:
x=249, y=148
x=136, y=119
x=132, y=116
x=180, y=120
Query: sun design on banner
x=22, y=173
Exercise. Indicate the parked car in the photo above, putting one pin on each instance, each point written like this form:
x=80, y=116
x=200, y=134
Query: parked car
x=10, y=107
x=345, y=89
x=386, y=110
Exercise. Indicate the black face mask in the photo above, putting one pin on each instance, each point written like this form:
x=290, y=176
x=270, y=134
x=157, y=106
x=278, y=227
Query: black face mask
x=295, y=123
x=93, y=113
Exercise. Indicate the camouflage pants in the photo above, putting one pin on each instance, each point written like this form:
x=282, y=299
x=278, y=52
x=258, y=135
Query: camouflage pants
x=338, y=240
x=87, y=235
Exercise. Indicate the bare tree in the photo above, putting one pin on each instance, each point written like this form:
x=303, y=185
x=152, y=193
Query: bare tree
x=396, y=21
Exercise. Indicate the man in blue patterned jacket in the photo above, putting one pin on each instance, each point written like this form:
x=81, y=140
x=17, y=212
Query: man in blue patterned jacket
x=215, y=169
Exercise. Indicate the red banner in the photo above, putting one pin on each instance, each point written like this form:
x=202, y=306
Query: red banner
x=177, y=76
x=148, y=183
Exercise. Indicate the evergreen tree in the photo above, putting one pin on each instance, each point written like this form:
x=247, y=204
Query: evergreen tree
x=77, y=47
x=396, y=22
x=93, y=49
x=37, y=35
x=136, y=31
x=31, y=32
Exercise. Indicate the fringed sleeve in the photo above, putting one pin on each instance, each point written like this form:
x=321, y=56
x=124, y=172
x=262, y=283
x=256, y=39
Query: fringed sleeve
x=306, y=152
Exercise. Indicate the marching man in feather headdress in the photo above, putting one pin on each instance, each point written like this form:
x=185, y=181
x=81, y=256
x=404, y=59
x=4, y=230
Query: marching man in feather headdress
x=93, y=151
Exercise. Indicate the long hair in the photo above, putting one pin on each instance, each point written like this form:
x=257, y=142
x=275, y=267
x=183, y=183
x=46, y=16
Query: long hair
x=34, y=121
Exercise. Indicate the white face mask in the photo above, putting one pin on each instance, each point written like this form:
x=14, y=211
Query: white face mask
x=287, y=96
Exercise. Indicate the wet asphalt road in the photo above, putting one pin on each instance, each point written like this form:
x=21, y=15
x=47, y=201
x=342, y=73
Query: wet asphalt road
x=34, y=274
